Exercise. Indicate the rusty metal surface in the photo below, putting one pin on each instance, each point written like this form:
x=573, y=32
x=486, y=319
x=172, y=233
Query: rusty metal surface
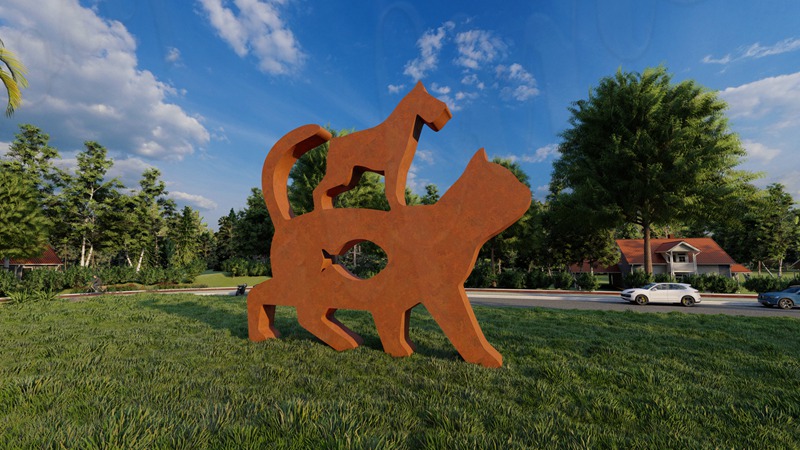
x=431, y=249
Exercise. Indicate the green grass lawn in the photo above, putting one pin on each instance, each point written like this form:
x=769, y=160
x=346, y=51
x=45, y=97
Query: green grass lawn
x=177, y=371
x=219, y=279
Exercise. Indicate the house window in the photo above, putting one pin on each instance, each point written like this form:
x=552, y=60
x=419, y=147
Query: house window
x=680, y=257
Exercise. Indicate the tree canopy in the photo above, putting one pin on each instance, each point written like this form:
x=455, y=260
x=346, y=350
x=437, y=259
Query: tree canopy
x=644, y=150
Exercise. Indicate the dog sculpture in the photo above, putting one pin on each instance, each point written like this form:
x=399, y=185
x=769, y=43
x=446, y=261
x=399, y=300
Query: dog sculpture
x=431, y=251
x=387, y=149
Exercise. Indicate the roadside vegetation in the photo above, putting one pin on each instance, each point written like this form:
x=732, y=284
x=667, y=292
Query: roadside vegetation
x=177, y=371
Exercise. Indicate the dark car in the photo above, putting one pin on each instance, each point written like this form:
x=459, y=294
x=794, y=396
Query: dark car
x=785, y=299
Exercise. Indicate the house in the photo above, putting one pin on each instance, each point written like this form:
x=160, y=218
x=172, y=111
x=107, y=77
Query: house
x=674, y=256
x=48, y=260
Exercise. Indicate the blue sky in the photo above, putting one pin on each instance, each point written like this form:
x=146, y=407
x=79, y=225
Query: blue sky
x=201, y=89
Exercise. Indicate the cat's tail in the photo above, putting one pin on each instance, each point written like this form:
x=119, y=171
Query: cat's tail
x=279, y=161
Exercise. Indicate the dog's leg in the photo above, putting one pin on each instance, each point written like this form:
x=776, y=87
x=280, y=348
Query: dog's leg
x=393, y=330
x=456, y=318
x=320, y=322
x=260, y=315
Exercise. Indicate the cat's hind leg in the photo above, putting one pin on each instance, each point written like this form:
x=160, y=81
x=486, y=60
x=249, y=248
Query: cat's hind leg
x=320, y=322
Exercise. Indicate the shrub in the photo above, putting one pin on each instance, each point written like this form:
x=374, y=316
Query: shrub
x=482, y=275
x=77, y=277
x=538, y=279
x=664, y=278
x=8, y=282
x=563, y=280
x=151, y=275
x=43, y=280
x=637, y=278
x=116, y=274
x=512, y=278
x=767, y=283
x=587, y=281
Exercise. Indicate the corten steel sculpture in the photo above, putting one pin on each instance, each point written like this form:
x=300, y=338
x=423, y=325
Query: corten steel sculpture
x=431, y=249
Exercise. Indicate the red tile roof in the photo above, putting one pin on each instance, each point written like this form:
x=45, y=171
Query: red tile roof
x=710, y=251
x=48, y=258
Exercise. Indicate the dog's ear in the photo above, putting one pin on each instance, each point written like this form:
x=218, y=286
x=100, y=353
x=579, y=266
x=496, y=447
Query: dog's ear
x=478, y=157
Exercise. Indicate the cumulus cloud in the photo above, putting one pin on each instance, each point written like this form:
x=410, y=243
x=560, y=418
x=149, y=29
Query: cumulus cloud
x=476, y=47
x=778, y=97
x=255, y=27
x=430, y=44
x=759, y=152
x=196, y=200
x=542, y=154
x=756, y=51
x=395, y=88
x=88, y=86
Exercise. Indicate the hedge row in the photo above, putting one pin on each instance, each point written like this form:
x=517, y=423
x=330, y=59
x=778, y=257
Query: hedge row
x=482, y=276
x=80, y=278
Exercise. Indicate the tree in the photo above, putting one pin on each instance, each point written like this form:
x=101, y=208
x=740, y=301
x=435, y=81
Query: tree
x=23, y=227
x=31, y=156
x=12, y=72
x=431, y=195
x=151, y=209
x=773, y=226
x=646, y=151
x=186, y=233
x=87, y=198
x=252, y=236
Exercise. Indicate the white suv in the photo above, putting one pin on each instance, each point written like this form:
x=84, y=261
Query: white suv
x=663, y=293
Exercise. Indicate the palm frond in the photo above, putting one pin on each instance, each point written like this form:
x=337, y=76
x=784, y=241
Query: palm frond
x=13, y=79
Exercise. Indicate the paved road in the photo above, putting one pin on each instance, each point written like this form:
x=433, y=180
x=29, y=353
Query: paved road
x=734, y=305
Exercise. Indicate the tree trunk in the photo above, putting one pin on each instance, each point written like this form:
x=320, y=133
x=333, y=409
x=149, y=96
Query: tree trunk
x=648, y=262
x=780, y=268
x=6, y=262
x=89, y=257
x=83, y=252
x=139, y=264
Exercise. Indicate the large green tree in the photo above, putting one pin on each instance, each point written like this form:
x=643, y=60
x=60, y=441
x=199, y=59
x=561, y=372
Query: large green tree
x=23, y=226
x=12, y=72
x=644, y=150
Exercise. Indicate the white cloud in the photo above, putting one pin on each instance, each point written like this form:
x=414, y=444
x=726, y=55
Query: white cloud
x=173, y=55
x=430, y=44
x=757, y=51
x=256, y=28
x=521, y=84
x=476, y=47
x=760, y=152
x=88, y=86
x=475, y=51
x=777, y=97
x=395, y=88
x=441, y=90
x=425, y=156
x=197, y=200
x=472, y=80
x=542, y=154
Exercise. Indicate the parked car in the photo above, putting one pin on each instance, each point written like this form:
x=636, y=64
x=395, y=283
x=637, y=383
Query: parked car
x=785, y=299
x=681, y=293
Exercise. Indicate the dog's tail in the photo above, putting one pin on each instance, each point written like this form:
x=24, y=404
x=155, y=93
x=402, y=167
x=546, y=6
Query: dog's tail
x=278, y=164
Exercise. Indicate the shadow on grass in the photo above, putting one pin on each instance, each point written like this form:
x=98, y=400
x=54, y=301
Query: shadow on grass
x=220, y=318
x=231, y=315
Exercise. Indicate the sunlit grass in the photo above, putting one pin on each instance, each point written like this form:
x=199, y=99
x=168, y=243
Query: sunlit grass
x=177, y=371
x=219, y=279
